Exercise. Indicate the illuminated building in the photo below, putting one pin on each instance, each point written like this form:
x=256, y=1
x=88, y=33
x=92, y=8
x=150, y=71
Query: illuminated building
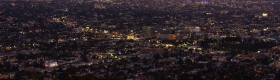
x=167, y=36
x=264, y=14
x=115, y=33
x=13, y=4
x=50, y=64
x=172, y=37
x=193, y=29
x=129, y=37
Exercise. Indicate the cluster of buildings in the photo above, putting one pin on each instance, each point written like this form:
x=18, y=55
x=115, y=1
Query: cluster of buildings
x=134, y=39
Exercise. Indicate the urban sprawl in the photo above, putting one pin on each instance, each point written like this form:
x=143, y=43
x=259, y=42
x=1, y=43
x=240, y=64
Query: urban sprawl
x=139, y=39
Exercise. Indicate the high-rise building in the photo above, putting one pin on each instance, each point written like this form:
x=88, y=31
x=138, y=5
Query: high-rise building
x=147, y=31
